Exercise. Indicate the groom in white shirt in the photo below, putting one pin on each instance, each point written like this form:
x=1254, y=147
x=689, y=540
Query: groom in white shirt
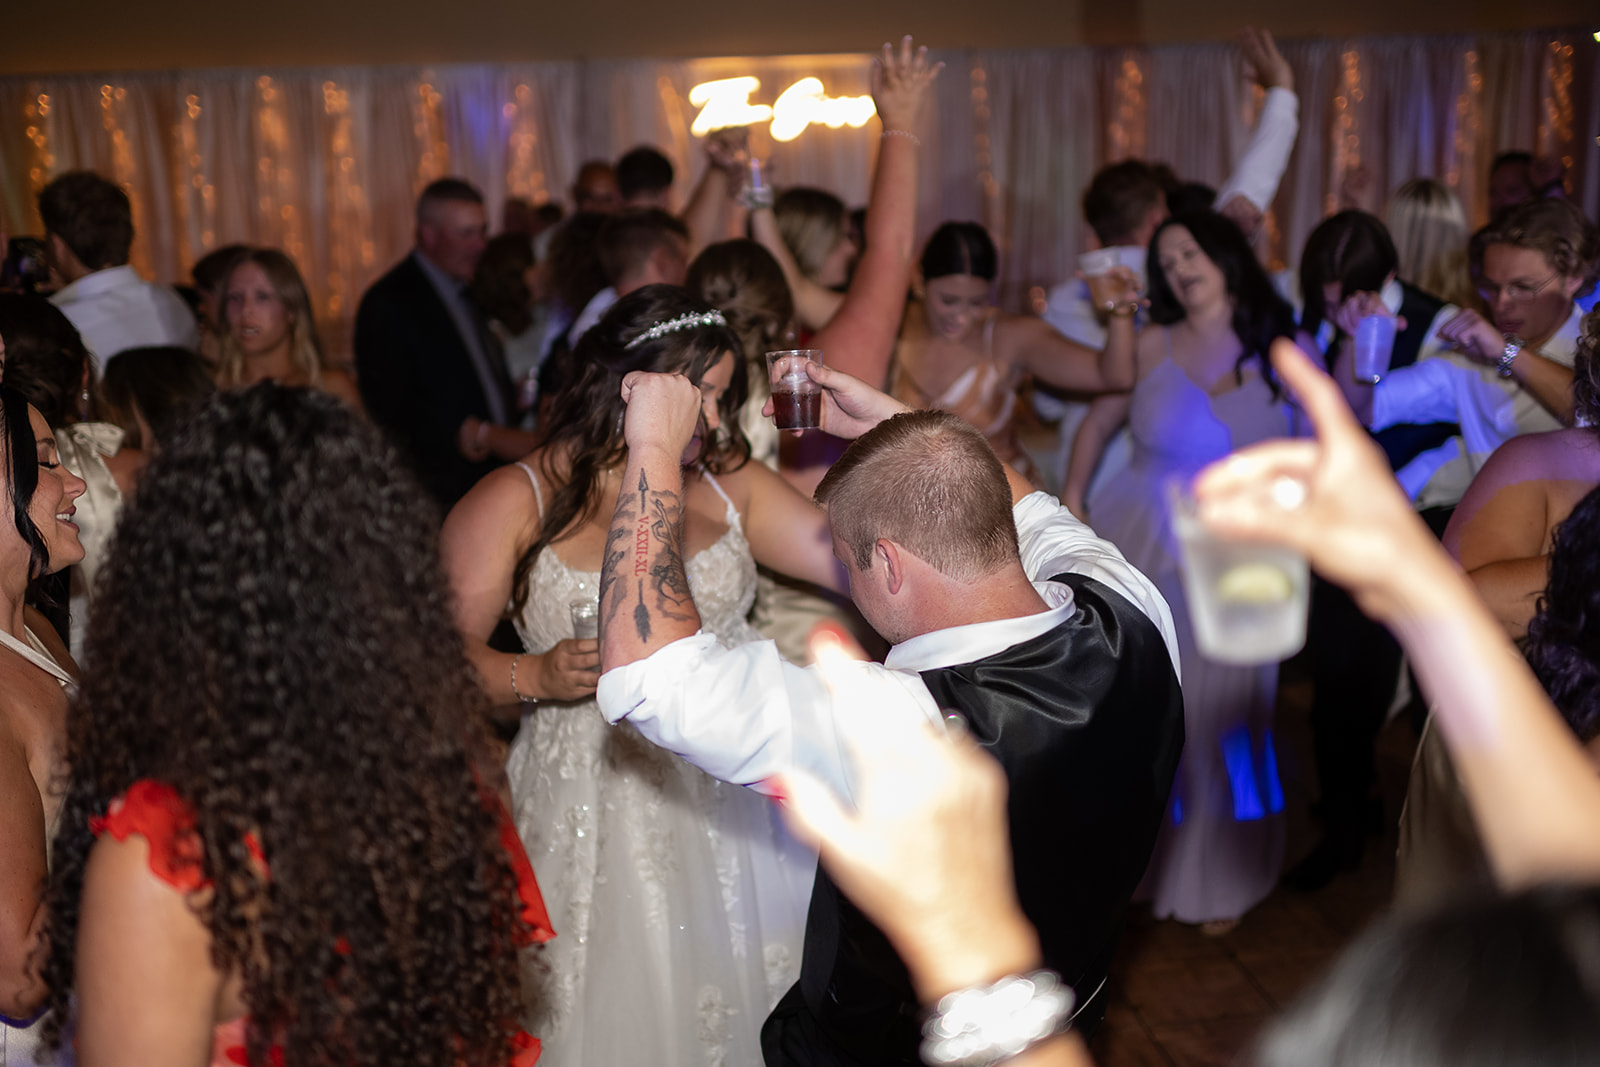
x=1000, y=604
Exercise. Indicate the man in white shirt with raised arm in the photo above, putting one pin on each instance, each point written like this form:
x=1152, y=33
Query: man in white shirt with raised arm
x=1059, y=655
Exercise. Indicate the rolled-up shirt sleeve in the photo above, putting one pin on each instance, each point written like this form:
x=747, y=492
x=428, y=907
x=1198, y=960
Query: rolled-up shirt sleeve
x=1261, y=165
x=743, y=714
x=1055, y=541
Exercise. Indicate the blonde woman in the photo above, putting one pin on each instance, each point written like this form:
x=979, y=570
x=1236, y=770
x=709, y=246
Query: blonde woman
x=268, y=330
x=1430, y=232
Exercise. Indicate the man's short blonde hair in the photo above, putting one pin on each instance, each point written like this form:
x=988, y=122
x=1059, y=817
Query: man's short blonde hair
x=929, y=482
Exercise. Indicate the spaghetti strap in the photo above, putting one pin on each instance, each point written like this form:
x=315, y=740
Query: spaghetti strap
x=34, y=652
x=733, y=512
x=538, y=494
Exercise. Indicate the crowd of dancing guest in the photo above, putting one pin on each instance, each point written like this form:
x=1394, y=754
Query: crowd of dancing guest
x=289, y=698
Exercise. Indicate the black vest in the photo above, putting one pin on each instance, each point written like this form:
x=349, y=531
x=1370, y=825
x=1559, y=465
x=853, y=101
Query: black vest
x=1404, y=442
x=1087, y=721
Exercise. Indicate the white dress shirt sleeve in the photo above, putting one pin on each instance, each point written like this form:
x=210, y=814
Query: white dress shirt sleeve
x=1265, y=157
x=743, y=714
x=1055, y=541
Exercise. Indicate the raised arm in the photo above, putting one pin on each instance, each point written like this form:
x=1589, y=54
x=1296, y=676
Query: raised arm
x=1043, y=352
x=1251, y=187
x=1548, y=382
x=707, y=214
x=814, y=305
x=645, y=602
x=860, y=338
x=1533, y=792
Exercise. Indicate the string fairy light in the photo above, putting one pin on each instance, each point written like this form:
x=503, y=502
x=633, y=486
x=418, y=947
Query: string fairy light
x=524, y=173
x=37, y=111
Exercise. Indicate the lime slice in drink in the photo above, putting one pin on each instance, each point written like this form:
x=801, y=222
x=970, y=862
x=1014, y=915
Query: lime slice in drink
x=1255, y=583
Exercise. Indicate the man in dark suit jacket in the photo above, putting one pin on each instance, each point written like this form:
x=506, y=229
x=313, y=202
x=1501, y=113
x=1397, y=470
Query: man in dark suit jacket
x=425, y=358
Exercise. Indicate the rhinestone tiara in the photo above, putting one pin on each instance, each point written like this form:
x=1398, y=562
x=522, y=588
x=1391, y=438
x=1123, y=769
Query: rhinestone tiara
x=682, y=322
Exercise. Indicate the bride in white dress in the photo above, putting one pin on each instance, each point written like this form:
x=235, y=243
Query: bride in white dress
x=678, y=901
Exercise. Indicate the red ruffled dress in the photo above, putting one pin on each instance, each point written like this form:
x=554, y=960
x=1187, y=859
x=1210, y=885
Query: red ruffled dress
x=154, y=811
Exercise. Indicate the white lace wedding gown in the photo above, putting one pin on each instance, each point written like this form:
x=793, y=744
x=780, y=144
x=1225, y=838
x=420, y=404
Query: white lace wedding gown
x=678, y=901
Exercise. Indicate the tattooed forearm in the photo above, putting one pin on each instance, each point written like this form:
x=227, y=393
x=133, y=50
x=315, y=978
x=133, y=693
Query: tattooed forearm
x=667, y=572
x=643, y=570
x=611, y=568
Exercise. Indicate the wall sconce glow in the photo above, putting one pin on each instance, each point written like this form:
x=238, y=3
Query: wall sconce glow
x=804, y=102
x=727, y=103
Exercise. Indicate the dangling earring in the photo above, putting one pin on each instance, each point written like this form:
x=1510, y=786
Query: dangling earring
x=83, y=405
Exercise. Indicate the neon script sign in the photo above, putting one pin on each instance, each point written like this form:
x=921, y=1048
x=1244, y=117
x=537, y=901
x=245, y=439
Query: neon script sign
x=727, y=103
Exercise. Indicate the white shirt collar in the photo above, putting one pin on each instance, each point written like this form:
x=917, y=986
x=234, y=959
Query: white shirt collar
x=978, y=640
x=1392, y=296
x=1564, y=342
x=100, y=281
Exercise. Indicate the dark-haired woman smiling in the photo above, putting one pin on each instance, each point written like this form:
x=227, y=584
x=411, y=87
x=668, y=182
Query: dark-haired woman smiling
x=958, y=353
x=1204, y=389
x=37, y=537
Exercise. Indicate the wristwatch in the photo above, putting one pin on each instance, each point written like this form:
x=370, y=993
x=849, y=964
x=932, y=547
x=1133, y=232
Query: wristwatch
x=1508, y=357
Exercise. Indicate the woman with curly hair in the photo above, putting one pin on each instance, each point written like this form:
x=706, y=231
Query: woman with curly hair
x=37, y=537
x=680, y=901
x=274, y=847
x=268, y=331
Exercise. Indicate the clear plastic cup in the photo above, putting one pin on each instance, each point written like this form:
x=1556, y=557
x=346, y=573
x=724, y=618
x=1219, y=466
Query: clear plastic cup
x=585, y=620
x=1374, y=344
x=796, y=399
x=1247, y=602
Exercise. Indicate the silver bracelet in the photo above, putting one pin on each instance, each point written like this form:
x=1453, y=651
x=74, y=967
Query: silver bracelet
x=907, y=134
x=1508, y=357
x=983, y=1025
x=519, y=696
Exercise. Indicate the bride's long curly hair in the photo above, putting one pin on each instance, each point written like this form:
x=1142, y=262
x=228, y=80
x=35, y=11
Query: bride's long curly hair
x=585, y=425
x=272, y=637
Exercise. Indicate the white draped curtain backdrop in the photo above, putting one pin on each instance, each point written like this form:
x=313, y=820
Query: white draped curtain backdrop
x=326, y=163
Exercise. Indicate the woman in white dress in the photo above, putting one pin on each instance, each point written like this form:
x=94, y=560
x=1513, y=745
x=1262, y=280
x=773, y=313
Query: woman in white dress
x=37, y=537
x=678, y=901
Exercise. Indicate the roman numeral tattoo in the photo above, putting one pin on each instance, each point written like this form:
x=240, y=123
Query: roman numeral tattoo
x=643, y=570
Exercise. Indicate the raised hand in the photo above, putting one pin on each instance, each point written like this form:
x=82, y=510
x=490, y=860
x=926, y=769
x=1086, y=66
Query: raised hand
x=729, y=149
x=850, y=407
x=1358, y=306
x=1471, y=333
x=1266, y=64
x=664, y=411
x=899, y=82
x=1333, y=498
x=1119, y=285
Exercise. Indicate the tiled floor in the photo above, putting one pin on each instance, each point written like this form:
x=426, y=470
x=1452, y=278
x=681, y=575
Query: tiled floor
x=1182, y=999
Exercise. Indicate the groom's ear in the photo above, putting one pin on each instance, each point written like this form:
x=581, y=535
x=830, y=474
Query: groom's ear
x=890, y=556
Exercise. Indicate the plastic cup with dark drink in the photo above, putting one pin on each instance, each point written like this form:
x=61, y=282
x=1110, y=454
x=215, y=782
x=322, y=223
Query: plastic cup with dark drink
x=796, y=399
